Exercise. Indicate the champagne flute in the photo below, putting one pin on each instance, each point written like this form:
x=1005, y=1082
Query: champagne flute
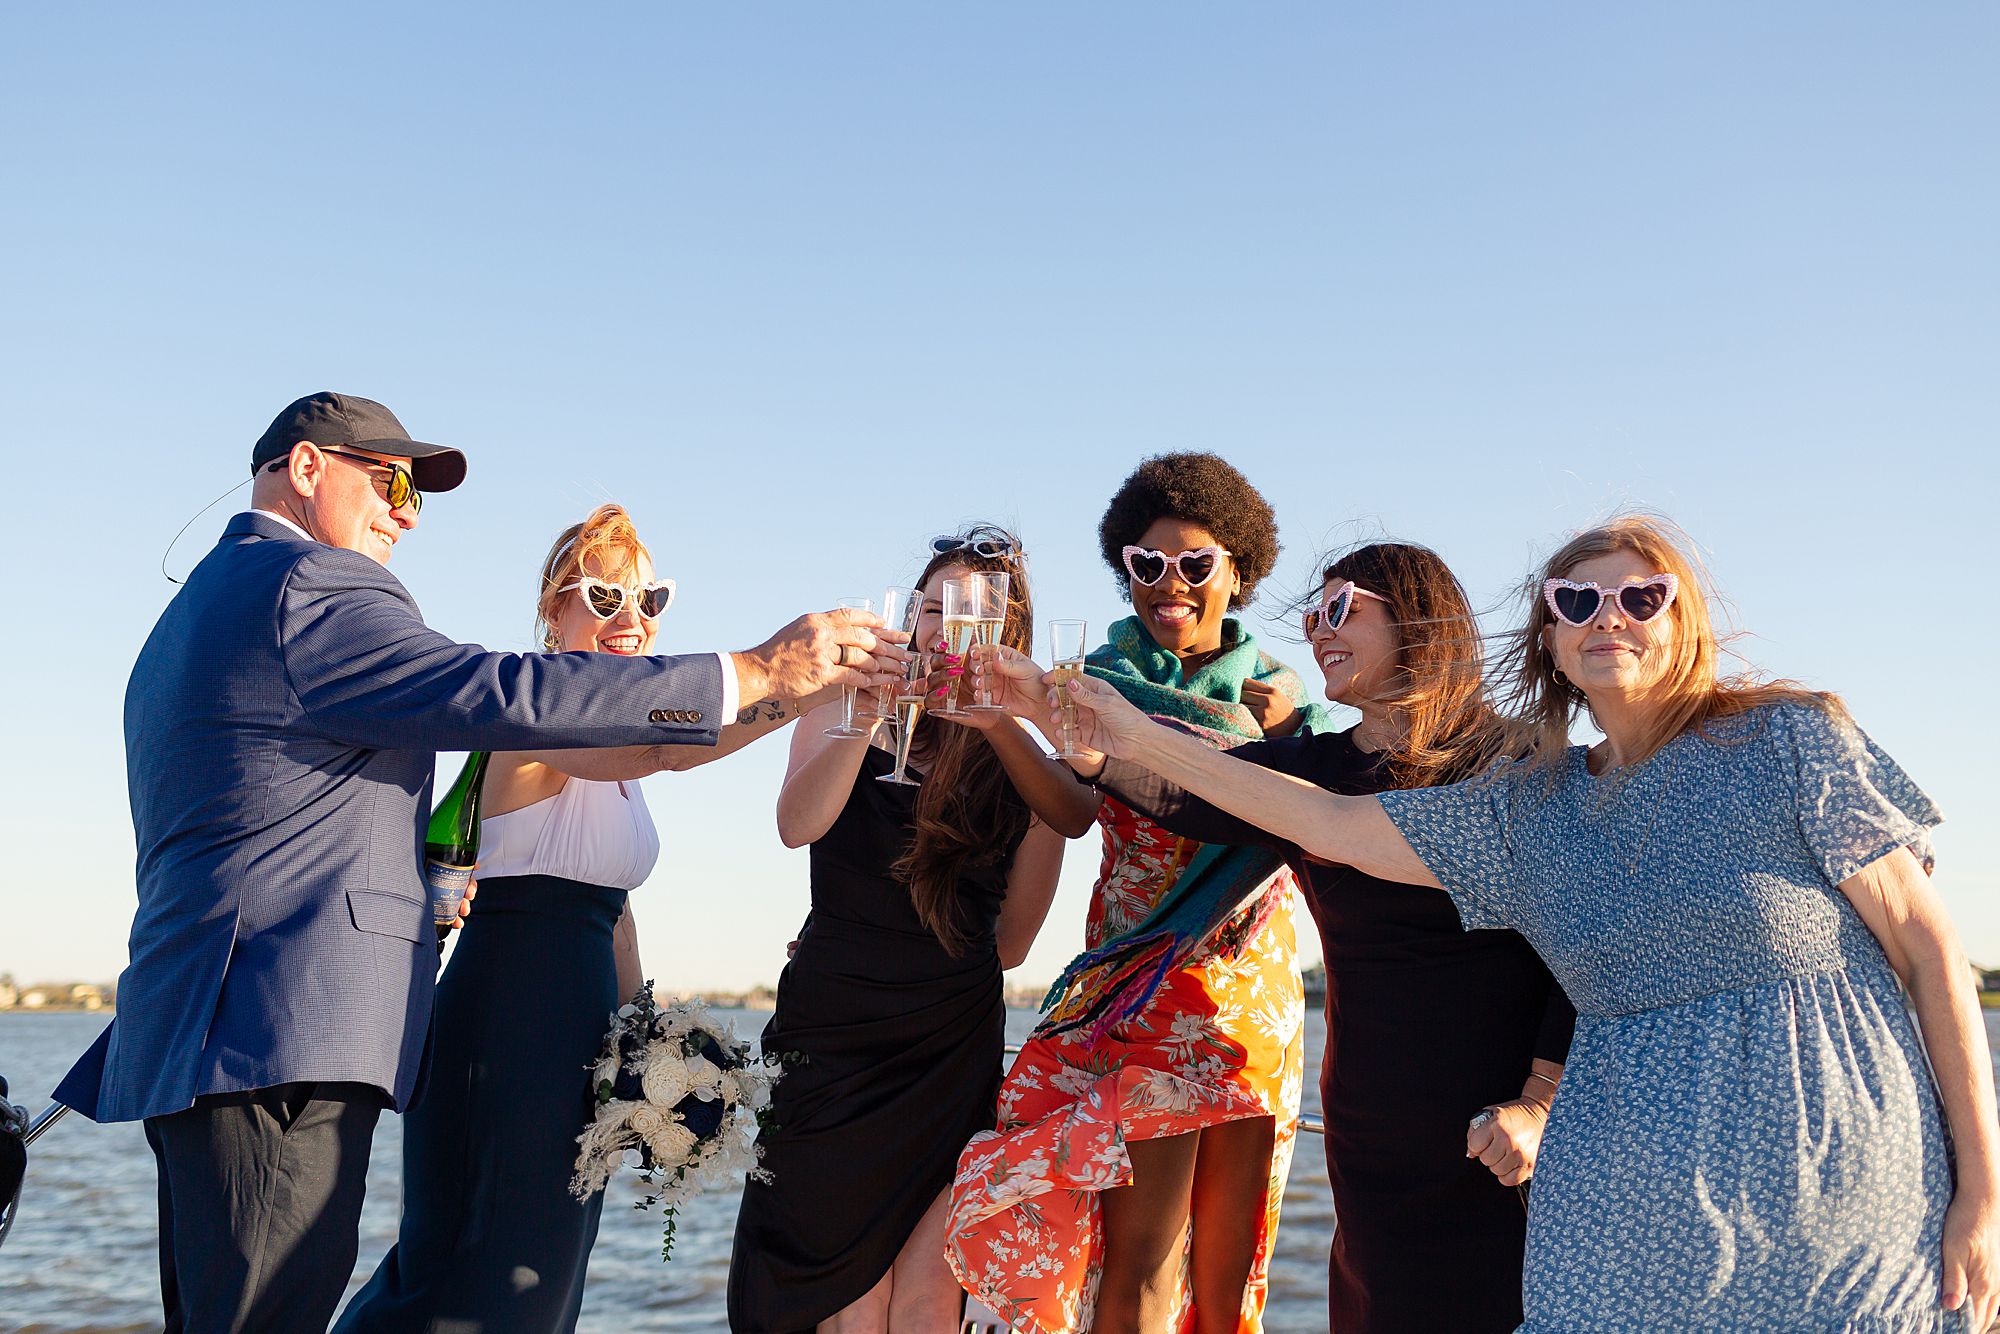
x=847, y=726
x=903, y=702
x=899, y=612
x=990, y=622
x=961, y=627
x=908, y=710
x=1066, y=646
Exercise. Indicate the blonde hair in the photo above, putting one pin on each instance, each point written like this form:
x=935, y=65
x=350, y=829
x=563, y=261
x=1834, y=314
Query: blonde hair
x=1691, y=694
x=605, y=545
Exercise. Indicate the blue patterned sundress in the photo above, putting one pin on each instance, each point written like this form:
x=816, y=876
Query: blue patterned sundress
x=1747, y=1135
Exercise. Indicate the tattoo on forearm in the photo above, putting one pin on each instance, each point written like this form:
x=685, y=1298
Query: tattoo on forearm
x=763, y=711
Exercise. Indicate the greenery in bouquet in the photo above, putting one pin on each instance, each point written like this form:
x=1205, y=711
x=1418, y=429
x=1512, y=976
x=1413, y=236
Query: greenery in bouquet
x=679, y=1097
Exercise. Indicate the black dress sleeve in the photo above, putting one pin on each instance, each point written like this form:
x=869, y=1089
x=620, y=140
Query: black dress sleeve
x=1558, y=1026
x=1181, y=812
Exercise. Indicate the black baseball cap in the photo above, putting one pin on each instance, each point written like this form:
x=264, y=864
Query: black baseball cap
x=327, y=418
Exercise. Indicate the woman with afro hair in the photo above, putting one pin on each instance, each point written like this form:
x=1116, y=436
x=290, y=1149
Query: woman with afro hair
x=1145, y=1132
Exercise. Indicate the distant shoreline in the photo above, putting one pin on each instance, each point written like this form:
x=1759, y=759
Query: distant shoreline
x=728, y=1000
x=66, y=1007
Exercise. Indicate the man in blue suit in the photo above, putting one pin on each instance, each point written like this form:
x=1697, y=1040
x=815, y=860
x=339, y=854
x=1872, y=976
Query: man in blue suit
x=281, y=725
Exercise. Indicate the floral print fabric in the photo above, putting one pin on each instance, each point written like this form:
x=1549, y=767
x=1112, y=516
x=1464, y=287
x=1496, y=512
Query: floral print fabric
x=1222, y=1040
x=1747, y=1136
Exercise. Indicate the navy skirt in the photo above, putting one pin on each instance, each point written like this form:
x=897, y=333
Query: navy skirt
x=491, y=1240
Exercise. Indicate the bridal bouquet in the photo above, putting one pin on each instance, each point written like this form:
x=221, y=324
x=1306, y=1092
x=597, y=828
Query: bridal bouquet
x=680, y=1097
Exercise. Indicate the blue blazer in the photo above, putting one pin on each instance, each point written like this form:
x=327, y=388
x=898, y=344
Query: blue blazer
x=281, y=725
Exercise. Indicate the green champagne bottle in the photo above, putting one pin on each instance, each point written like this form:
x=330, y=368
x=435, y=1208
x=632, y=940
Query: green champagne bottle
x=451, y=844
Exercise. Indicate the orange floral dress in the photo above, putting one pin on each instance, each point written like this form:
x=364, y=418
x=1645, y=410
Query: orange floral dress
x=1222, y=1040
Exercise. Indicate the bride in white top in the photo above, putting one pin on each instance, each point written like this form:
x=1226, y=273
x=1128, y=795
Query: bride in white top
x=490, y=1235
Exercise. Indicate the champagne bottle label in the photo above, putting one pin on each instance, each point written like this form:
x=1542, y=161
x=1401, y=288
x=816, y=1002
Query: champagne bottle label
x=451, y=842
x=447, y=886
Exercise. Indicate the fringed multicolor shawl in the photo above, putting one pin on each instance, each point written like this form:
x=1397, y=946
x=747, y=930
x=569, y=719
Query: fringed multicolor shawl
x=1114, y=981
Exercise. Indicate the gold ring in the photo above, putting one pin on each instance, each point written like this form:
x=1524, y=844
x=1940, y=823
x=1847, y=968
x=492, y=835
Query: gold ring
x=841, y=660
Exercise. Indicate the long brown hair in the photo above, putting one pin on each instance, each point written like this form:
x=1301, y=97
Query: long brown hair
x=1437, y=686
x=1692, y=693
x=967, y=812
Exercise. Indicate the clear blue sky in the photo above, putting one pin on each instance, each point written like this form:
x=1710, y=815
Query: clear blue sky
x=805, y=284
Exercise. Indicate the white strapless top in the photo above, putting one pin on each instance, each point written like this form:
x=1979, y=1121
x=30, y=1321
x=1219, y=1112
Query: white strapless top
x=599, y=833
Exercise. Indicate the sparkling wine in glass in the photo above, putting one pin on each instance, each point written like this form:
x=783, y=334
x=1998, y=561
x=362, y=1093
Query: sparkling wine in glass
x=899, y=612
x=990, y=620
x=848, y=725
x=909, y=708
x=1066, y=646
x=961, y=630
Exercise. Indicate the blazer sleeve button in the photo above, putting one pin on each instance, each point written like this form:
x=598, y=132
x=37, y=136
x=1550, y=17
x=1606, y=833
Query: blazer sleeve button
x=658, y=716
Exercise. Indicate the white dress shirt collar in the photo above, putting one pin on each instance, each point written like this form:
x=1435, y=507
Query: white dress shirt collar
x=279, y=518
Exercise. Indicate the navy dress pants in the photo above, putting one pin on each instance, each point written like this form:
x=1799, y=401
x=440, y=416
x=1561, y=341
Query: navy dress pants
x=260, y=1206
x=491, y=1241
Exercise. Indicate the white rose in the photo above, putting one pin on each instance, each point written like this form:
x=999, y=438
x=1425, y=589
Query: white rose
x=647, y=1121
x=666, y=1077
x=671, y=1143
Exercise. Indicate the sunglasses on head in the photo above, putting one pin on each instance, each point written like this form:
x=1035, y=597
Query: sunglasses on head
x=1642, y=599
x=1196, y=566
x=399, y=488
x=605, y=600
x=986, y=548
x=1332, y=613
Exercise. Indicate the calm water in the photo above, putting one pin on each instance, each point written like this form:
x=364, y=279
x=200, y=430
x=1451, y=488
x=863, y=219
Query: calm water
x=82, y=1258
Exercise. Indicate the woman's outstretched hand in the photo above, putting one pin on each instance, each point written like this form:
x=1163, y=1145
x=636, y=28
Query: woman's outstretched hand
x=1011, y=679
x=956, y=678
x=993, y=671
x=946, y=681
x=1106, y=721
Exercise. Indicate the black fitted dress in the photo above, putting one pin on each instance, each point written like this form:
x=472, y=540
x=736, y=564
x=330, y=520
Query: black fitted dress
x=902, y=1048
x=1425, y=1024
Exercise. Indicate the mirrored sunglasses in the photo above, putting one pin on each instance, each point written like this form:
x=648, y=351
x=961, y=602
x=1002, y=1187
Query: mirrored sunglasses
x=1196, y=566
x=984, y=547
x=1642, y=599
x=1332, y=613
x=605, y=600
x=399, y=488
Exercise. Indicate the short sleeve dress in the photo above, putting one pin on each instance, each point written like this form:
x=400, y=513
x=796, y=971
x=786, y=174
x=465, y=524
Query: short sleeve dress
x=1747, y=1136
